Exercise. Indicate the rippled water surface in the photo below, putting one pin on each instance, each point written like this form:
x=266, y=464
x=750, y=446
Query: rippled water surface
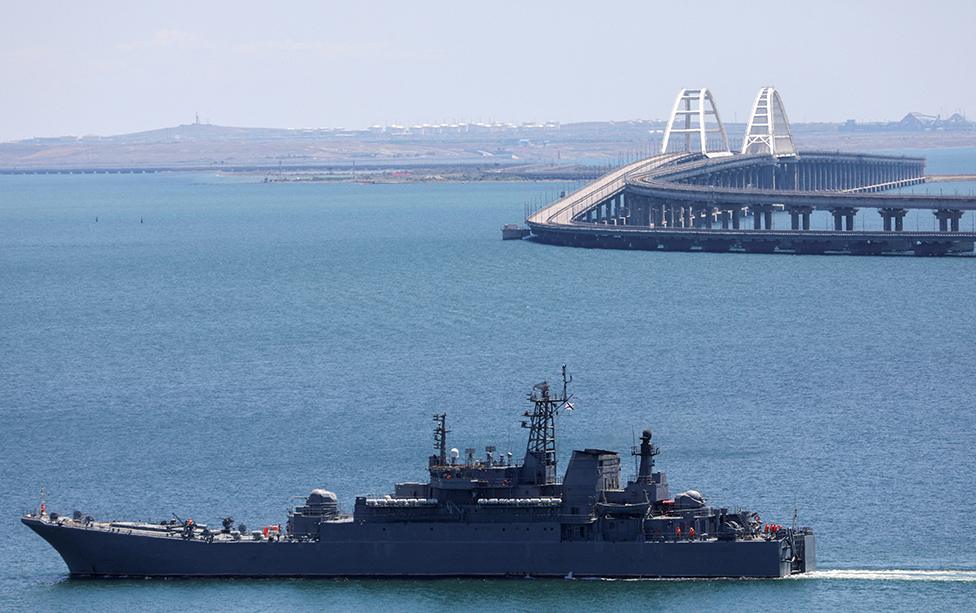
x=213, y=346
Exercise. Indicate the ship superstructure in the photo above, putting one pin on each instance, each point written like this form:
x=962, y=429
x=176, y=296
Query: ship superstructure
x=475, y=516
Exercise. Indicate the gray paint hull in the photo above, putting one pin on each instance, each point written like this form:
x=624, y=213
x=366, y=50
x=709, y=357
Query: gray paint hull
x=411, y=552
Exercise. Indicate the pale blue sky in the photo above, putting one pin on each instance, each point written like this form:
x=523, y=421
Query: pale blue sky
x=111, y=67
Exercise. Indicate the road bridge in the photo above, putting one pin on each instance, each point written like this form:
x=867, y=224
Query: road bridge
x=695, y=193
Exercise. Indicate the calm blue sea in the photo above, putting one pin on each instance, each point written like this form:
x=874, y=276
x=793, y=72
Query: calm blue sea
x=214, y=346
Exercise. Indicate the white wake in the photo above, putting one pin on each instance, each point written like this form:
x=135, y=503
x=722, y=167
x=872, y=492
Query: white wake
x=892, y=574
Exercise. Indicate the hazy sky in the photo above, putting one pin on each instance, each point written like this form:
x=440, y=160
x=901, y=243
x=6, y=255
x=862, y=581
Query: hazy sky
x=111, y=67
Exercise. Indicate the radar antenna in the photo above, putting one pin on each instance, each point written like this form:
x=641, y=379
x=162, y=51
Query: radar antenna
x=540, y=453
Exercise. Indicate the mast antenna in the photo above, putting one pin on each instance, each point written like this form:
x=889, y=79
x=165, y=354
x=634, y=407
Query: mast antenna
x=440, y=437
x=566, y=383
x=540, y=452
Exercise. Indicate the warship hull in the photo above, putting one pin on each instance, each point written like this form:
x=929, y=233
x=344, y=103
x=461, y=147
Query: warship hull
x=412, y=550
x=476, y=517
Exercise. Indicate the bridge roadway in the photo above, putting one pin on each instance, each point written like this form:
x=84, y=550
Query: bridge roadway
x=610, y=185
x=658, y=186
x=612, y=212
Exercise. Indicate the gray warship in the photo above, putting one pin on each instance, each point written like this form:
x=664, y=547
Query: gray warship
x=484, y=516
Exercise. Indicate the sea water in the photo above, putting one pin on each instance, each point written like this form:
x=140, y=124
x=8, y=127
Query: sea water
x=210, y=346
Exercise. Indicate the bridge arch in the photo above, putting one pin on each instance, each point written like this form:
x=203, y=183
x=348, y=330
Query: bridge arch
x=693, y=109
x=768, y=131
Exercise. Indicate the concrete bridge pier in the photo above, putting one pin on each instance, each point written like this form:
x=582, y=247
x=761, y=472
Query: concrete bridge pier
x=762, y=215
x=889, y=214
x=948, y=219
x=642, y=211
x=800, y=217
x=841, y=215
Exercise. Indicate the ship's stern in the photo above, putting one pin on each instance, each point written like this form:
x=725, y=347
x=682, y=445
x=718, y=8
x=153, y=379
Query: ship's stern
x=805, y=552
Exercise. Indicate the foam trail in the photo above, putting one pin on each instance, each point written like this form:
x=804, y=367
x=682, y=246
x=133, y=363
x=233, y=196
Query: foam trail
x=892, y=574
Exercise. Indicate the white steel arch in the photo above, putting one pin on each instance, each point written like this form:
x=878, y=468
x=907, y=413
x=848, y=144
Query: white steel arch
x=768, y=130
x=694, y=107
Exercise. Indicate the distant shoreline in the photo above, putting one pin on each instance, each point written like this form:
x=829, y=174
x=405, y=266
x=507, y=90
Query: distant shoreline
x=567, y=152
x=432, y=174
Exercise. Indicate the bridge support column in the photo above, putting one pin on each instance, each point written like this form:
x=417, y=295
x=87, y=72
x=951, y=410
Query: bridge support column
x=841, y=215
x=635, y=216
x=886, y=217
x=709, y=217
x=800, y=217
x=762, y=216
x=900, y=219
x=794, y=219
x=890, y=214
x=948, y=219
x=726, y=218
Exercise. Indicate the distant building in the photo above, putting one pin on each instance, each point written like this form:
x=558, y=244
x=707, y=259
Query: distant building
x=912, y=122
x=918, y=121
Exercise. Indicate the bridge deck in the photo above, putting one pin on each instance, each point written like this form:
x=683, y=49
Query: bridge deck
x=657, y=187
x=687, y=180
x=564, y=210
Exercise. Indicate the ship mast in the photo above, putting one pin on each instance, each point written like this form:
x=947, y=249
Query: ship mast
x=539, y=467
x=440, y=439
x=646, y=452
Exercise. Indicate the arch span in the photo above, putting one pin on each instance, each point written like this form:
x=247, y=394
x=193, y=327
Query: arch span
x=695, y=114
x=768, y=130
